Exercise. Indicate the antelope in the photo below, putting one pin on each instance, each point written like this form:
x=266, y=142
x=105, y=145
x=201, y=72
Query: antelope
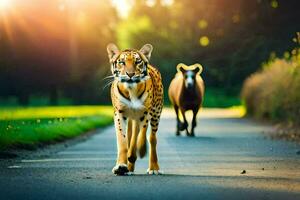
x=186, y=92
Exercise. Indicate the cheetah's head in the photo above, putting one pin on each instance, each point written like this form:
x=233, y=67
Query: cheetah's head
x=130, y=65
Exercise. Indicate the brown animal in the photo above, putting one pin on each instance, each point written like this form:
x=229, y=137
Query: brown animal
x=186, y=92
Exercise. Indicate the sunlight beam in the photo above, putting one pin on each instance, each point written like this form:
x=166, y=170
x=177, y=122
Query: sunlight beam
x=123, y=7
x=4, y=4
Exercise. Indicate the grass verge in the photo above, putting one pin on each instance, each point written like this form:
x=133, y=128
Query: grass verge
x=30, y=127
x=215, y=97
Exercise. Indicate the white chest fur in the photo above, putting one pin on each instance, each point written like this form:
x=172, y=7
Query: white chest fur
x=134, y=103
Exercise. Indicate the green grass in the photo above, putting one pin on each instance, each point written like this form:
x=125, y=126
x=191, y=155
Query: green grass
x=30, y=127
x=218, y=98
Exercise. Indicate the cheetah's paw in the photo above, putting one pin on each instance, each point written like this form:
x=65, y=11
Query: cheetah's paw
x=120, y=169
x=154, y=172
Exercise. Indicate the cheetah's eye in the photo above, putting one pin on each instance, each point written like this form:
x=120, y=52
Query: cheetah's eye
x=138, y=61
x=121, y=62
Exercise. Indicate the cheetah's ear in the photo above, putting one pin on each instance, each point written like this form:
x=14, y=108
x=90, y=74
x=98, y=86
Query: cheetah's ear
x=112, y=51
x=146, y=50
x=181, y=67
x=198, y=68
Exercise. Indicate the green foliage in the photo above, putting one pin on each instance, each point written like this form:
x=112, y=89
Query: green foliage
x=273, y=92
x=219, y=98
x=29, y=127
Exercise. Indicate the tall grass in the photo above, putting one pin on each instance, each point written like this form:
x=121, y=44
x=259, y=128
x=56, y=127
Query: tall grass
x=274, y=92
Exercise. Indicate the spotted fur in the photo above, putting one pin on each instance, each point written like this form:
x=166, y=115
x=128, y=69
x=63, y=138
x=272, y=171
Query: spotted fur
x=137, y=98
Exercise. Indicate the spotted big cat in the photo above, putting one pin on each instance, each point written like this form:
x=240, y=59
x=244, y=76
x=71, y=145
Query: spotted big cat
x=137, y=99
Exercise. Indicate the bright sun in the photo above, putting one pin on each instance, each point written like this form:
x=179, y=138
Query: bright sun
x=4, y=4
x=122, y=6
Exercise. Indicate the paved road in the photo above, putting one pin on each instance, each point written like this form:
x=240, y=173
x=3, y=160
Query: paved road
x=205, y=167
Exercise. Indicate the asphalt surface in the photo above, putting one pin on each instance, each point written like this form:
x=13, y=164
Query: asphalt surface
x=208, y=166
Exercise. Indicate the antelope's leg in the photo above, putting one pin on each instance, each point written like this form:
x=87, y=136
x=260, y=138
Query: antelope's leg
x=177, y=120
x=194, y=121
x=184, y=125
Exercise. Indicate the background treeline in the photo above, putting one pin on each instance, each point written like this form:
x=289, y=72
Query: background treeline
x=57, y=49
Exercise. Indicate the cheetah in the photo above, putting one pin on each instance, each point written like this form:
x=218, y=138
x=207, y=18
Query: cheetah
x=137, y=99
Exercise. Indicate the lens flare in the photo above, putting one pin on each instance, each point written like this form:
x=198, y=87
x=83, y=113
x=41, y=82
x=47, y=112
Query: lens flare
x=4, y=4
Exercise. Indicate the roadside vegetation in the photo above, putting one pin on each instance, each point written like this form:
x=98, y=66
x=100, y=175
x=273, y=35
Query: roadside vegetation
x=274, y=92
x=34, y=126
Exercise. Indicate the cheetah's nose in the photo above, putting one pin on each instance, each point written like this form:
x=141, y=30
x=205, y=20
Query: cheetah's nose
x=130, y=74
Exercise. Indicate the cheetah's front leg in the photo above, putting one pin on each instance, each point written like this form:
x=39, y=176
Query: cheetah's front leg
x=153, y=160
x=132, y=146
x=122, y=143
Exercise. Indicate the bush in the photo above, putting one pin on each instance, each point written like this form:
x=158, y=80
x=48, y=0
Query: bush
x=274, y=92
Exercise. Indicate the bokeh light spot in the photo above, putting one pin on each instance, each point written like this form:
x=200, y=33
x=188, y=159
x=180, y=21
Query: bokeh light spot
x=204, y=41
x=150, y=3
x=286, y=55
x=167, y=2
x=236, y=18
x=274, y=4
x=202, y=24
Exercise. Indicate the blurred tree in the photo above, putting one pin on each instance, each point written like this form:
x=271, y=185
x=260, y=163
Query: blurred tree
x=55, y=51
